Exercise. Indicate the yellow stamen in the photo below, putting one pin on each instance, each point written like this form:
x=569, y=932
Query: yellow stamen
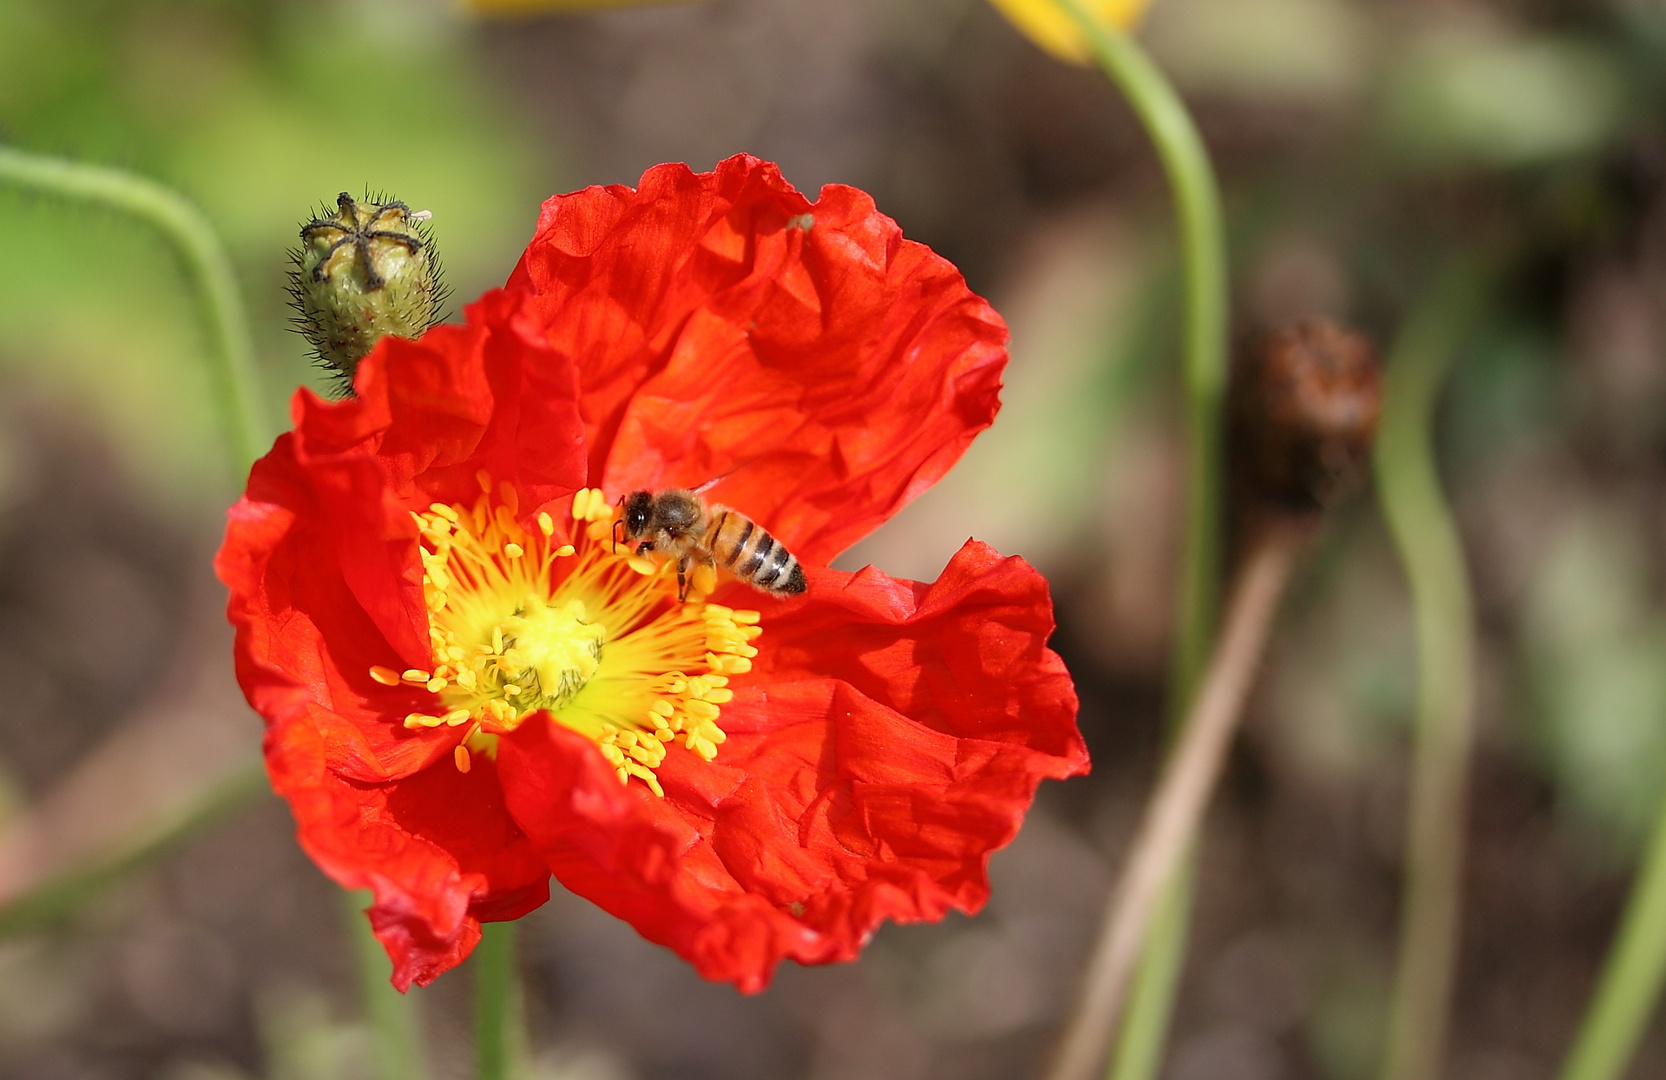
x=597, y=640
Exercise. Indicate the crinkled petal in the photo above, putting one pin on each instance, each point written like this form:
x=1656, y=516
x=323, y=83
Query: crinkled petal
x=321, y=560
x=437, y=849
x=823, y=369
x=891, y=737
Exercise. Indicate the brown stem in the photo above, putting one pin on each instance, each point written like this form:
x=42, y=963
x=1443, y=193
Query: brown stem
x=1176, y=808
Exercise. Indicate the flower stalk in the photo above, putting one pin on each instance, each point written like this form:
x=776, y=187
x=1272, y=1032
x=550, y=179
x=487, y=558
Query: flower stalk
x=1175, y=812
x=1203, y=258
x=1427, y=540
x=1629, y=988
x=207, y=266
x=495, y=1010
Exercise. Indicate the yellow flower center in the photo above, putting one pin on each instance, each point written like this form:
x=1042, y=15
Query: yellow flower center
x=593, y=636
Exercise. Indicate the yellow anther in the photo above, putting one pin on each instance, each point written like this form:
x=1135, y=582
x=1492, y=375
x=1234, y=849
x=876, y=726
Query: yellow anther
x=703, y=710
x=416, y=675
x=497, y=640
x=416, y=720
x=461, y=756
x=564, y=550
x=642, y=565
x=435, y=685
x=661, y=707
x=444, y=511
x=385, y=675
x=455, y=717
x=514, y=551
x=467, y=680
x=546, y=524
x=747, y=617
x=512, y=690
x=720, y=696
x=598, y=530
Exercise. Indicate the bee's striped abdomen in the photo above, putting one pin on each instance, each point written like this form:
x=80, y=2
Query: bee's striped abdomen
x=745, y=548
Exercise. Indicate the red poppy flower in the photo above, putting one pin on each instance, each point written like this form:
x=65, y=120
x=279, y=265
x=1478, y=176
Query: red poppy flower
x=467, y=686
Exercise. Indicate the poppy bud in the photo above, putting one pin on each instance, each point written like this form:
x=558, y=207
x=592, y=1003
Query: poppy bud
x=1304, y=412
x=363, y=272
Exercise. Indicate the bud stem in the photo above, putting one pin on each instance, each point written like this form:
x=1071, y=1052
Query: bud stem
x=1169, y=828
x=206, y=265
x=1198, y=217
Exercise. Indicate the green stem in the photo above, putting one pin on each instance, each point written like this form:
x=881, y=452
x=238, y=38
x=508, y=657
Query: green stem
x=1432, y=555
x=51, y=900
x=1202, y=233
x=1630, y=984
x=206, y=265
x=1139, y=1052
x=496, y=1010
x=393, y=1018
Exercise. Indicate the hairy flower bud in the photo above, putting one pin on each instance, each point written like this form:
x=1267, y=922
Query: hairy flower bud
x=363, y=272
x=1304, y=413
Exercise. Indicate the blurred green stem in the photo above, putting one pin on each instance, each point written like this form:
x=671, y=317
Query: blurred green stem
x=1629, y=988
x=206, y=265
x=51, y=899
x=496, y=1006
x=1432, y=555
x=1197, y=209
x=393, y=1018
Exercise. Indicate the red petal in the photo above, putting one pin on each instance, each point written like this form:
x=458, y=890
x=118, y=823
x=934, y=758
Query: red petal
x=437, y=849
x=828, y=374
x=320, y=556
x=890, y=738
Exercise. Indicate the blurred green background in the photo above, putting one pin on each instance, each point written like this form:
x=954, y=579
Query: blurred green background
x=1364, y=146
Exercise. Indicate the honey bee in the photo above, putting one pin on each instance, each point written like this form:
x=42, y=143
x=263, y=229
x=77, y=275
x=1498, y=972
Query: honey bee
x=678, y=523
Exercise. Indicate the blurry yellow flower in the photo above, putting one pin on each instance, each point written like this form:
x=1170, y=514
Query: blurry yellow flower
x=1049, y=25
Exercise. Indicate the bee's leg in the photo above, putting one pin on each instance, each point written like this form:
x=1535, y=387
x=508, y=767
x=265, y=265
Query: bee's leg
x=618, y=534
x=682, y=579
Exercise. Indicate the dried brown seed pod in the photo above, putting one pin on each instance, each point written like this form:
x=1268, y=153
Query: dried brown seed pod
x=1305, y=401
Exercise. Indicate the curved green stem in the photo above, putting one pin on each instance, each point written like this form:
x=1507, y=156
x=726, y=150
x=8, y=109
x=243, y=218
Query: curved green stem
x=1202, y=234
x=1629, y=988
x=206, y=265
x=1432, y=555
x=496, y=1006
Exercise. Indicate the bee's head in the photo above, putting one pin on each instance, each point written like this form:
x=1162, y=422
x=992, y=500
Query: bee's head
x=638, y=509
